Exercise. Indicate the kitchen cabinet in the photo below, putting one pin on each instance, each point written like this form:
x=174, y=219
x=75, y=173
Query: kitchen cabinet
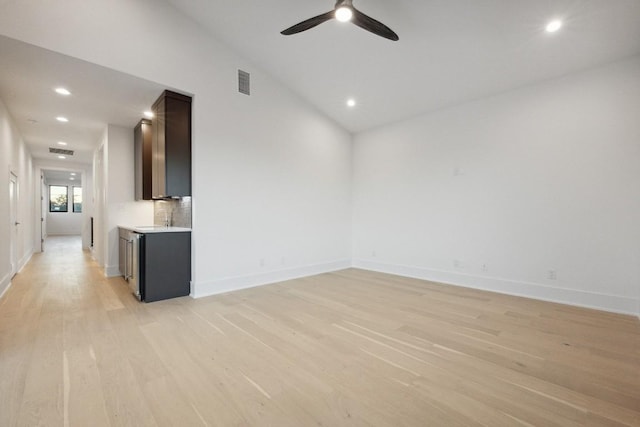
x=156, y=261
x=165, y=260
x=143, y=145
x=171, y=148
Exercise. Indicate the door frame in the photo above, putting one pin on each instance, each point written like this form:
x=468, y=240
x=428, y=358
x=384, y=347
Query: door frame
x=44, y=203
x=14, y=197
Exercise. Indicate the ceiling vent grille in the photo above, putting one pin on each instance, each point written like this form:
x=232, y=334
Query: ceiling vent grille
x=61, y=151
x=244, y=82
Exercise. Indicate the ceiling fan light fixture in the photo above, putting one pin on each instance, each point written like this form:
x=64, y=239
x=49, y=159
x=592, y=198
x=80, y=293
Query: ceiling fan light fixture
x=344, y=14
x=344, y=11
x=553, y=26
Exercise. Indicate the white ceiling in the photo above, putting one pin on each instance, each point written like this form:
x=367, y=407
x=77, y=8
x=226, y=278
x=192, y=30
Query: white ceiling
x=100, y=96
x=450, y=51
x=63, y=176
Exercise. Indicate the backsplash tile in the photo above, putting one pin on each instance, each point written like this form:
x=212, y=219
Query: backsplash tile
x=177, y=211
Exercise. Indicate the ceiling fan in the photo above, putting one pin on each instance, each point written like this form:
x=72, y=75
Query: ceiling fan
x=345, y=12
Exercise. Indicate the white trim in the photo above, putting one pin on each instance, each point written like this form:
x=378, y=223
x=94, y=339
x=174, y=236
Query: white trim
x=599, y=301
x=228, y=284
x=112, y=270
x=14, y=206
x=5, y=284
x=24, y=260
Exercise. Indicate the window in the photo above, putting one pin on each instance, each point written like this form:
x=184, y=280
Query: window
x=77, y=199
x=58, y=198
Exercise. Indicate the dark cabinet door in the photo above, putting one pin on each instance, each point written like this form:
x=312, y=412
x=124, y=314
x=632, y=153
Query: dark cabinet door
x=171, y=130
x=143, y=142
x=167, y=265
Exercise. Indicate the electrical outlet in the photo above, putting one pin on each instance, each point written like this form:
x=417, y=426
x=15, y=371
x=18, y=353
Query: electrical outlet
x=552, y=275
x=457, y=264
x=373, y=254
x=484, y=268
x=261, y=262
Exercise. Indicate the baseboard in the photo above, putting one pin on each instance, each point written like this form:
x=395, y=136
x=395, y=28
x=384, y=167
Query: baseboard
x=228, y=284
x=599, y=301
x=5, y=284
x=112, y=270
x=25, y=259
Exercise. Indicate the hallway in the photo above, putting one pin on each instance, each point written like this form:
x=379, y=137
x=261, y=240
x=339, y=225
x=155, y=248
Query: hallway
x=55, y=307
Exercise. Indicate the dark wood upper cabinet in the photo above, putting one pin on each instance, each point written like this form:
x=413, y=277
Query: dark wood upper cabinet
x=171, y=152
x=143, y=144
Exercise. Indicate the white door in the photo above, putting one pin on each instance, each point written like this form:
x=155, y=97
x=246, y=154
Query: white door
x=13, y=224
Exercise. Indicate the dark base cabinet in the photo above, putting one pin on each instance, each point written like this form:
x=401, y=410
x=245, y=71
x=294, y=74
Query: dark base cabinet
x=165, y=260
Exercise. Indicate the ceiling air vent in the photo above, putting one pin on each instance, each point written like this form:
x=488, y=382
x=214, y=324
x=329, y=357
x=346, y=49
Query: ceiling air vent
x=244, y=82
x=61, y=151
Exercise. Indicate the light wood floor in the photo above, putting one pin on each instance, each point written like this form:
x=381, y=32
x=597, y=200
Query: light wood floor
x=347, y=348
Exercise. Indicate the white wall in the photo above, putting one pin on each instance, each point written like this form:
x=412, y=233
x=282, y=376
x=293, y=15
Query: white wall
x=99, y=201
x=119, y=205
x=271, y=176
x=497, y=193
x=14, y=157
x=87, y=206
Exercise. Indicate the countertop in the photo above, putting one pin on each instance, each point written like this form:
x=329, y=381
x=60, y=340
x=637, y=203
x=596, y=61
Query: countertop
x=144, y=229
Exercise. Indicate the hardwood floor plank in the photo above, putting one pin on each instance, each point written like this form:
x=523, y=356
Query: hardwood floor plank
x=123, y=394
x=42, y=400
x=349, y=348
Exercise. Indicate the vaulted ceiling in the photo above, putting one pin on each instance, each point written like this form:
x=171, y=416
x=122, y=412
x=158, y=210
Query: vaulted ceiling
x=449, y=52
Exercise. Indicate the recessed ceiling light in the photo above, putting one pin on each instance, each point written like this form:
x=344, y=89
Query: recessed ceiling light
x=73, y=174
x=62, y=91
x=148, y=114
x=553, y=26
x=351, y=102
x=62, y=157
x=72, y=179
x=344, y=14
x=62, y=119
x=62, y=143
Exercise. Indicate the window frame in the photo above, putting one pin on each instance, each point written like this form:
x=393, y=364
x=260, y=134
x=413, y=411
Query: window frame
x=66, y=206
x=73, y=199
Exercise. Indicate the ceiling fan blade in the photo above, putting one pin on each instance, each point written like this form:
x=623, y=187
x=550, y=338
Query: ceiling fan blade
x=309, y=23
x=370, y=24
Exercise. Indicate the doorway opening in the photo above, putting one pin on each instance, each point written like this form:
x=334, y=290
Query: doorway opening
x=62, y=209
